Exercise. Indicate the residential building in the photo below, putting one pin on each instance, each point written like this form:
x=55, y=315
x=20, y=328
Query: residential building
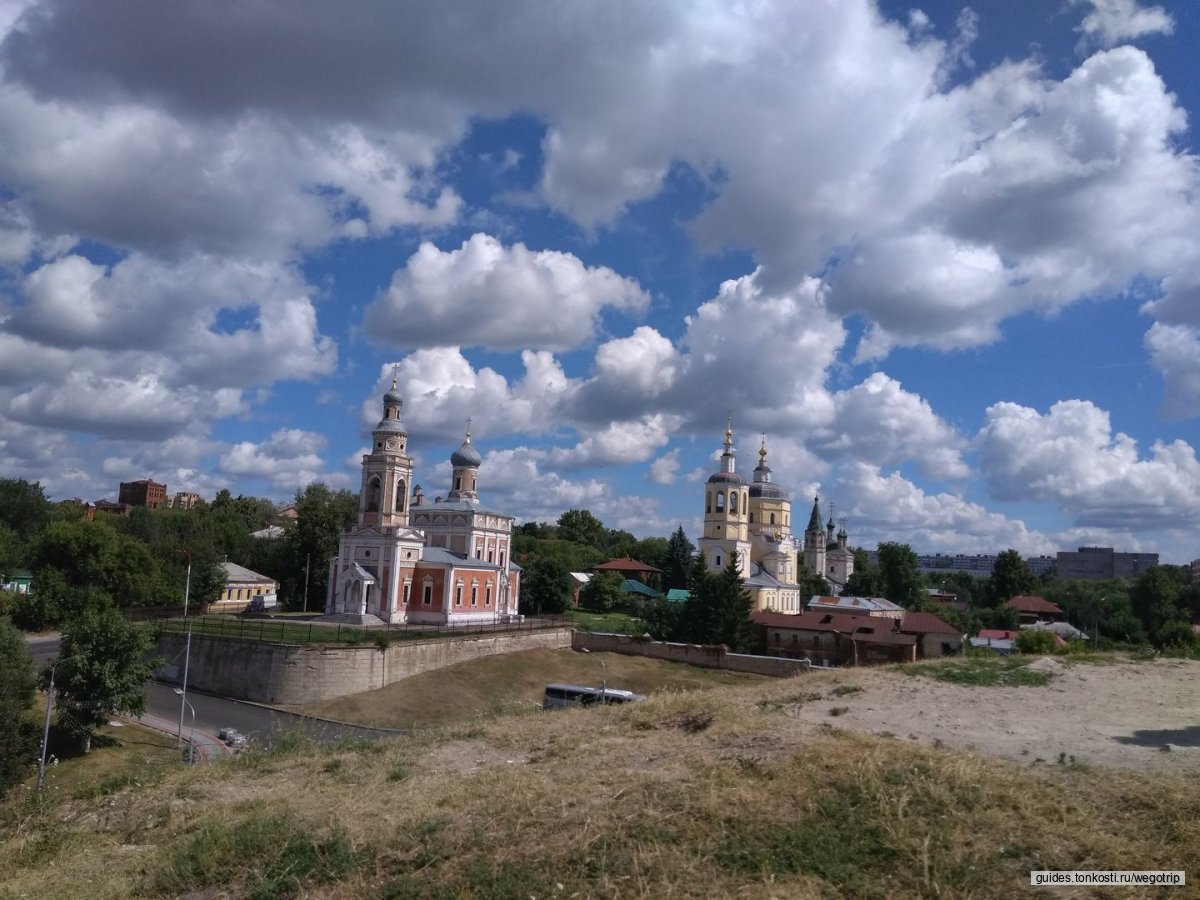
x=935, y=637
x=631, y=569
x=832, y=639
x=18, y=581
x=862, y=606
x=1031, y=610
x=1102, y=563
x=241, y=586
x=409, y=560
x=185, y=500
x=145, y=492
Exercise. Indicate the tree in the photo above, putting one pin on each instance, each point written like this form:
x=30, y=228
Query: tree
x=18, y=735
x=677, y=560
x=1155, y=598
x=718, y=612
x=545, y=587
x=321, y=514
x=865, y=581
x=1034, y=641
x=663, y=619
x=580, y=526
x=603, y=592
x=1011, y=577
x=103, y=672
x=812, y=584
x=902, y=582
x=23, y=505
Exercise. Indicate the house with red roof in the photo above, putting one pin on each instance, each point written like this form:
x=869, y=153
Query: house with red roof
x=935, y=636
x=833, y=639
x=1031, y=610
x=632, y=569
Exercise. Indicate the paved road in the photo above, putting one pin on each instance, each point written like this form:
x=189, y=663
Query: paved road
x=260, y=724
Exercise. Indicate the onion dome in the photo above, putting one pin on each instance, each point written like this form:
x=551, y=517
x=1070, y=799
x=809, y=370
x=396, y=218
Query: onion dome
x=466, y=456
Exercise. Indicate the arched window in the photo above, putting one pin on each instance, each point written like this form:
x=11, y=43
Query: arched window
x=772, y=518
x=458, y=593
x=474, y=593
x=401, y=495
x=427, y=591
x=487, y=594
x=733, y=502
x=718, y=560
x=720, y=501
x=458, y=482
x=708, y=503
x=373, y=492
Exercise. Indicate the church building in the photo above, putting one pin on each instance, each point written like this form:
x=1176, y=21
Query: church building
x=408, y=560
x=826, y=553
x=750, y=524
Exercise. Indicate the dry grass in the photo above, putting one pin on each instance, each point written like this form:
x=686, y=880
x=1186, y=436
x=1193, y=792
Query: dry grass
x=511, y=683
x=700, y=794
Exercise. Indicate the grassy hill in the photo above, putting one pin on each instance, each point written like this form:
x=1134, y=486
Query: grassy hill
x=698, y=794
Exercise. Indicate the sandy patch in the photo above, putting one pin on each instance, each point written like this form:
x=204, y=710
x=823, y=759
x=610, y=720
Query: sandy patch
x=1143, y=716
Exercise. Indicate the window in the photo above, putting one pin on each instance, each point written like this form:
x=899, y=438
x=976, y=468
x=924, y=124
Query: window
x=487, y=594
x=458, y=482
x=733, y=502
x=373, y=490
x=407, y=590
x=751, y=518
x=718, y=560
x=491, y=553
x=772, y=518
x=401, y=493
x=474, y=593
x=427, y=597
x=708, y=503
x=458, y=594
x=720, y=501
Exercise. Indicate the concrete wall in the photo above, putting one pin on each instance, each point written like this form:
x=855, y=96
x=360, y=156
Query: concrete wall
x=288, y=674
x=707, y=656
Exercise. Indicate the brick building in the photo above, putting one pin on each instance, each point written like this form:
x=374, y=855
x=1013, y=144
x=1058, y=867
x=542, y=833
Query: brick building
x=145, y=492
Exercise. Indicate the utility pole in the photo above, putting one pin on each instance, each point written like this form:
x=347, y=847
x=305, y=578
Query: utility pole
x=187, y=584
x=307, y=562
x=187, y=658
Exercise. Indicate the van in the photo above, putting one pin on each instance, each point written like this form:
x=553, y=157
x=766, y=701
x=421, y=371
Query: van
x=561, y=696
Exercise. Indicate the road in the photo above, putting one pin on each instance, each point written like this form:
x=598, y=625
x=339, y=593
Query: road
x=260, y=724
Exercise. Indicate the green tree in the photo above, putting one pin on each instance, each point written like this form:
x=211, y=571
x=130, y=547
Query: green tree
x=812, y=584
x=718, y=611
x=103, y=672
x=18, y=735
x=902, y=581
x=1155, y=597
x=23, y=505
x=546, y=587
x=677, y=560
x=580, y=526
x=1011, y=577
x=603, y=592
x=321, y=514
x=1177, y=635
x=663, y=619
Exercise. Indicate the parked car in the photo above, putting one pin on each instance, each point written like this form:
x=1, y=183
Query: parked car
x=232, y=737
x=256, y=605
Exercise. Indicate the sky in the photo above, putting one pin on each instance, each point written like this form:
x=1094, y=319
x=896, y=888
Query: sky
x=944, y=259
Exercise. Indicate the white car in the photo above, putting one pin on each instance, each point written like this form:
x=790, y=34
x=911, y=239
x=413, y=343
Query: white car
x=232, y=737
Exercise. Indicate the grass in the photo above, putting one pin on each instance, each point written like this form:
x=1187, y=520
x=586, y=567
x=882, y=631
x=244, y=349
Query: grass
x=696, y=794
x=511, y=684
x=608, y=623
x=981, y=671
x=122, y=756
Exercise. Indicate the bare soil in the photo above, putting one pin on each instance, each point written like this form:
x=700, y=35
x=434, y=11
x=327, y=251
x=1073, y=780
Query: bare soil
x=1143, y=716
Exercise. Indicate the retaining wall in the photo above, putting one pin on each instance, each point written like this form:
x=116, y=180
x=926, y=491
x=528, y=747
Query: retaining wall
x=289, y=673
x=710, y=657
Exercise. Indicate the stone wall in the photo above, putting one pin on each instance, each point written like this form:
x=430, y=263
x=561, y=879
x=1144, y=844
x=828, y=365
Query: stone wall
x=291, y=674
x=710, y=657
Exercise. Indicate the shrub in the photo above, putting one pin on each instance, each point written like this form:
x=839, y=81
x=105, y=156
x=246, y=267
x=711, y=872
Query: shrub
x=1036, y=642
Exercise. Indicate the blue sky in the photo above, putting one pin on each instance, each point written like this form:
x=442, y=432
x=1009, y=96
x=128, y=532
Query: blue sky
x=944, y=258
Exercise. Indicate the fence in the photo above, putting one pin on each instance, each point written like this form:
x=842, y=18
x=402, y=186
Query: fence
x=269, y=630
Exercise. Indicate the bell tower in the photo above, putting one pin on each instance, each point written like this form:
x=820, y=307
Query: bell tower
x=726, y=514
x=386, y=470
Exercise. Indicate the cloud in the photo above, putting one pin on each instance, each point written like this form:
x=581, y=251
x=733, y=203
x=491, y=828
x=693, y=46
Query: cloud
x=1114, y=21
x=1175, y=351
x=291, y=458
x=505, y=298
x=1071, y=457
x=884, y=507
x=665, y=469
x=879, y=422
x=617, y=444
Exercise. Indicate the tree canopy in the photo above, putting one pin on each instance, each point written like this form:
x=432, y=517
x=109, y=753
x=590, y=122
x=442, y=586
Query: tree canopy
x=18, y=734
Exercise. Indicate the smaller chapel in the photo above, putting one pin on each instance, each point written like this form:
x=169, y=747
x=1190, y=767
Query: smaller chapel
x=408, y=560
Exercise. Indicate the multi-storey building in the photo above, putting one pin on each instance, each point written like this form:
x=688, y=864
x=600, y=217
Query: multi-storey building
x=145, y=492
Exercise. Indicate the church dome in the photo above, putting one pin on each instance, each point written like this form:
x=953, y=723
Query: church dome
x=765, y=490
x=728, y=477
x=465, y=456
x=392, y=397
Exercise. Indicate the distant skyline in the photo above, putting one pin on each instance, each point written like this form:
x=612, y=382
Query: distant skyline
x=944, y=256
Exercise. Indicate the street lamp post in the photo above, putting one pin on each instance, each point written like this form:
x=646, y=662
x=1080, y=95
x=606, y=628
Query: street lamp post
x=192, y=736
x=603, y=674
x=187, y=584
x=187, y=658
x=307, y=561
x=46, y=725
